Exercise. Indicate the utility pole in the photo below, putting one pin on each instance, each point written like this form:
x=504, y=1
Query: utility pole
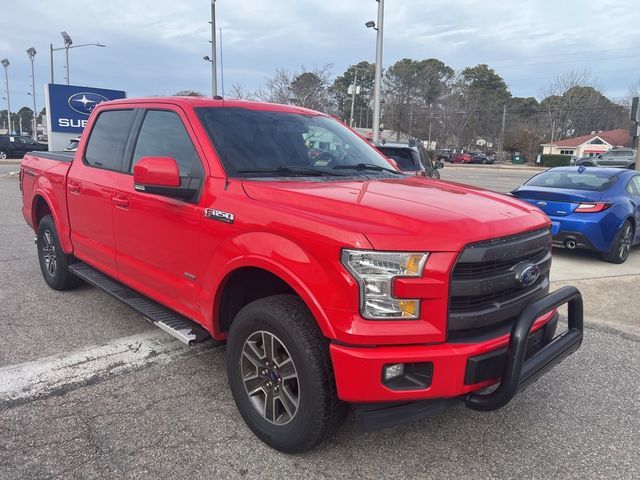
x=354, y=88
x=504, y=118
x=214, y=73
x=378, y=74
x=635, y=128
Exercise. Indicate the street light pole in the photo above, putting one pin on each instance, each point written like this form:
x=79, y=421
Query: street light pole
x=5, y=63
x=32, y=53
x=214, y=73
x=353, y=95
x=51, y=61
x=378, y=72
x=68, y=45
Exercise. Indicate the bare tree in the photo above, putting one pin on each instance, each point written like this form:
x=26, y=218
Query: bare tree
x=238, y=91
x=575, y=105
x=306, y=88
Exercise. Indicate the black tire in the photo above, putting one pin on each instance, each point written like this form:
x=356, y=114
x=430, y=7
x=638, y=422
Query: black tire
x=484, y=161
x=621, y=245
x=54, y=263
x=319, y=412
x=436, y=175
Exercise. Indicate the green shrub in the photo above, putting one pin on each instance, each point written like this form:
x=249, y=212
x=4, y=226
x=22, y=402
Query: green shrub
x=554, y=160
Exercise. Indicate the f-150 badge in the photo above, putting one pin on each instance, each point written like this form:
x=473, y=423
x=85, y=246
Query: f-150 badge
x=219, y=215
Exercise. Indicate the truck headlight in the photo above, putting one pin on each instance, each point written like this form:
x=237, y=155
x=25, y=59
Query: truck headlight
x=374, y=272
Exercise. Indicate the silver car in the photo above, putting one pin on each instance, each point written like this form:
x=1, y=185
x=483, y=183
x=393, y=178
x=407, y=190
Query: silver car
x=616, y=157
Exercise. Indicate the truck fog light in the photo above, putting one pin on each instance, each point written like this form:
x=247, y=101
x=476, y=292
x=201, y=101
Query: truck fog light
x=393, y=371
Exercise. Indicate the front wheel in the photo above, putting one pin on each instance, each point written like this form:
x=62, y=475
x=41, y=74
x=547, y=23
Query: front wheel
x=280, y=374
x=3, y=155
x=621, y=246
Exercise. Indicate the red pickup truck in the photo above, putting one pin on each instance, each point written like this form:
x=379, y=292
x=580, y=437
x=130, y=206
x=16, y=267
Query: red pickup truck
x=334, y=279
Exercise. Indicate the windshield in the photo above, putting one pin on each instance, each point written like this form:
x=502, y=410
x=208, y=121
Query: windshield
x=591, y=180
x=266, y=143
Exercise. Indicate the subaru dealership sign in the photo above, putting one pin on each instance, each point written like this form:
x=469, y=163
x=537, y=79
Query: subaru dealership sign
x=68, y=109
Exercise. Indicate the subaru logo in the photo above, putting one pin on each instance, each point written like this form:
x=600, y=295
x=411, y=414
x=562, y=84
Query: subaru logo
x=542, y=203
x=85, y=102
x=527, y=274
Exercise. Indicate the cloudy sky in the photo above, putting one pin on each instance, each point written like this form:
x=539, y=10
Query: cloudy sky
x=156, y=46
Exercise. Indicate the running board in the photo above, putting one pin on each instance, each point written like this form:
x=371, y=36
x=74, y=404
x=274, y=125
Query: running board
x=182, y=328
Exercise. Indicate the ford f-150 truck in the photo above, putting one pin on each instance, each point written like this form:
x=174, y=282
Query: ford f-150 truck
x=334, y=279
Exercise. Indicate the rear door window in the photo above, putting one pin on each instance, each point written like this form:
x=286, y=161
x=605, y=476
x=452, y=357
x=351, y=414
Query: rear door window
x=108, y=138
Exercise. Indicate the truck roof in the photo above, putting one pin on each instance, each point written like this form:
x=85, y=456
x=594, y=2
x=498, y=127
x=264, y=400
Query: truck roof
x=194, y=102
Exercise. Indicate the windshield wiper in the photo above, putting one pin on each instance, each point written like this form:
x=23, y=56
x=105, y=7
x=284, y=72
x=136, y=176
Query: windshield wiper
x=366, y=166
x=289, y=171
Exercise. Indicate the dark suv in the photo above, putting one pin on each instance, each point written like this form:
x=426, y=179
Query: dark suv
x=616, y=157
x=15, y=146
x=411, y=158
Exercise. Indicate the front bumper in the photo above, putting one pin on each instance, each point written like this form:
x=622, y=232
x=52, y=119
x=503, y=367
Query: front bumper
x=358, y=371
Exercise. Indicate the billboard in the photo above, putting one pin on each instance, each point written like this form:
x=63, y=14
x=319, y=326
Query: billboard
x=68, y=109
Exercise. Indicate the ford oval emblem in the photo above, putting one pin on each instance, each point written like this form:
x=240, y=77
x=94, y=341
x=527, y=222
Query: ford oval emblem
x=527, y=274
x=85, y=102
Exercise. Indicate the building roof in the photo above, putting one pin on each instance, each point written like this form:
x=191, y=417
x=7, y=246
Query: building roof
x=616, y=138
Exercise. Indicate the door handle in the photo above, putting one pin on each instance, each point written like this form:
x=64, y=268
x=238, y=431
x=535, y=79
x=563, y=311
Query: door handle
x=121, y=201
x=74, y=187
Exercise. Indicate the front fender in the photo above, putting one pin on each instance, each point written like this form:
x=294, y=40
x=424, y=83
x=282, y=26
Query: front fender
x=318, y=283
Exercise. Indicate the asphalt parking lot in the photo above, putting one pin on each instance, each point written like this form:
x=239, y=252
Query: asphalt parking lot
x=89, y=389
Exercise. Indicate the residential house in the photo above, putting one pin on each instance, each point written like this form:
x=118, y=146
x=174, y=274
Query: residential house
x=589, y=145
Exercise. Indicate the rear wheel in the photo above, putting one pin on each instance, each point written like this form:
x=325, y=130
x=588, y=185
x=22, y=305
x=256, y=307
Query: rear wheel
x=3, y=155
x=621, y=246
x=54, y=263
x=280, y=374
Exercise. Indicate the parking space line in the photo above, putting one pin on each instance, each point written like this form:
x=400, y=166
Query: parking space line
x=46, y=376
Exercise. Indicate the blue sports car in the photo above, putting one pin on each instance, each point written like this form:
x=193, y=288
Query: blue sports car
x=593, y=208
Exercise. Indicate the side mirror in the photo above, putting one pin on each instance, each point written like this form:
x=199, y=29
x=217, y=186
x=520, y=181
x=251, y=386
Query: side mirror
x=439, y=165
x=161, y=176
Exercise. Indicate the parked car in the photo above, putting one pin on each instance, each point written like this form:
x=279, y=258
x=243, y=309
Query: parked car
x=591, y=208
x=443, y=154
x=334, y=280
x=461, y=158
x=72, y=146
x=15, y=146
x=411, y=158
x=616, y=157
x=479, y=157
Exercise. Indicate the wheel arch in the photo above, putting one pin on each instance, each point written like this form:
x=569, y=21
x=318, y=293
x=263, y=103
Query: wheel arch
x=257, y=278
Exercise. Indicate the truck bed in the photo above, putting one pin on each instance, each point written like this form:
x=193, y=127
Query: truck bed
x=61, y=156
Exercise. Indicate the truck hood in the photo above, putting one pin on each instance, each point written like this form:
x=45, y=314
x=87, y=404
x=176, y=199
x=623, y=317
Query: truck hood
x=409, y=213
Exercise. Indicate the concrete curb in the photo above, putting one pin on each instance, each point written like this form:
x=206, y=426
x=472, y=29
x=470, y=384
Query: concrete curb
x=10, y=161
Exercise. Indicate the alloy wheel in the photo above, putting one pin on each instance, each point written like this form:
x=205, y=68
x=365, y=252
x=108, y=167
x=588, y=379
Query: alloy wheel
x=624, y=246
x=270, y=377
x=49, y=253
